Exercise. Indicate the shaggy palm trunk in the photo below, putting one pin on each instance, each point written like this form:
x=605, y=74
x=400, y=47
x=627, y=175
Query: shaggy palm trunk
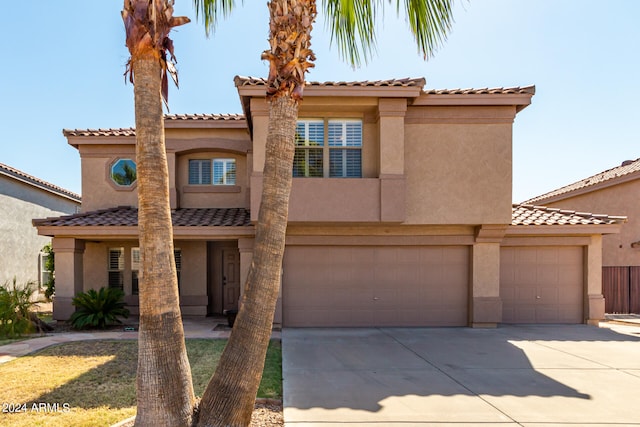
x=230, y=395
x=164, y=390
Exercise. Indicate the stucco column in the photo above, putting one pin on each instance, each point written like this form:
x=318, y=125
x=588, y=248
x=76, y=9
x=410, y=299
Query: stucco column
x=486, y=305
x=391, y=112
x=594, y=304
x=69, y=270
x=260, y=119
x=173, y=191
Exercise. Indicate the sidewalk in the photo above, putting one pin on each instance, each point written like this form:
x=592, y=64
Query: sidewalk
x=197, y=327
x=630, y=319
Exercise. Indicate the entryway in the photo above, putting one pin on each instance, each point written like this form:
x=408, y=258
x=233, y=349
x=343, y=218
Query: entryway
x=223, y=276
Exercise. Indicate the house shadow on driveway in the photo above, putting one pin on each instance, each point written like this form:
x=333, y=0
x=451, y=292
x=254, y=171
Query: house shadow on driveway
x=558, y=373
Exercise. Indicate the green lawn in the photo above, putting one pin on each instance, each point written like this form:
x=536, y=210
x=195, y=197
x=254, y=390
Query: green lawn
x=92, y=383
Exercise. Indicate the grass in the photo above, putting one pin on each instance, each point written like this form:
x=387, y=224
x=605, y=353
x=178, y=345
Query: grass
x=96, y=381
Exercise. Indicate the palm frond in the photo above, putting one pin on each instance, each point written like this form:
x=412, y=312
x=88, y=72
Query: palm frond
x=210, y=10
x=429, y=22
x=352, y=25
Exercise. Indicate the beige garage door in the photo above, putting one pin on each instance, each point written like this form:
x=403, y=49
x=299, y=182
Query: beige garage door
x=542, y=285
x=374, y=286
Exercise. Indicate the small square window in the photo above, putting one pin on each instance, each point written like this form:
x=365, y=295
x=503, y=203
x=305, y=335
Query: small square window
x=212, y=171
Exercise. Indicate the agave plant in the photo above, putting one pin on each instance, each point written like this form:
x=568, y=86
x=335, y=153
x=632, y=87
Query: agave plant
x=97, y=309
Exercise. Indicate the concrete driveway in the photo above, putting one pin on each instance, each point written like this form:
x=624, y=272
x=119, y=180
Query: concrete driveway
x=515, y=375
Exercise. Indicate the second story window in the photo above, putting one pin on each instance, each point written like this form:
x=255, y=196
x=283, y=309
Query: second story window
x=328, y=148
x=212, y=172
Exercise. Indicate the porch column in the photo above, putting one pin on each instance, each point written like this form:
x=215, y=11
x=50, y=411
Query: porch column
x=245, y=246
x=260, y=118
x=486, y=305
x=174, y=201
x=69, y=270
x=594, y=304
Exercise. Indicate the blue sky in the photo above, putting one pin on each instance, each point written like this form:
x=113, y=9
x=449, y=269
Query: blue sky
x=63, y=65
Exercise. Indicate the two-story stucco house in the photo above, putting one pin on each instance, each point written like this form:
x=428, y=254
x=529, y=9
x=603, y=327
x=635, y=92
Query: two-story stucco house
x=23, y=197
x=400, y=213
x=613, y=190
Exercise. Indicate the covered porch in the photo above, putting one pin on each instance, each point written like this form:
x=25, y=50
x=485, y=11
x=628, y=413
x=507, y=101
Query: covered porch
x=213, y=248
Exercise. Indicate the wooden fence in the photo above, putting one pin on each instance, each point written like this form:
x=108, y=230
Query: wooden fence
x=621, y=289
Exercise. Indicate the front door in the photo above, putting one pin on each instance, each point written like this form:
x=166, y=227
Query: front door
x=230, y=278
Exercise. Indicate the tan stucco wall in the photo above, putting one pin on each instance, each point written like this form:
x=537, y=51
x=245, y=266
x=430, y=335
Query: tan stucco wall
x=98, y=190
x=193, y=276
x=621, y=199
x=458, y=173
x=97, y=156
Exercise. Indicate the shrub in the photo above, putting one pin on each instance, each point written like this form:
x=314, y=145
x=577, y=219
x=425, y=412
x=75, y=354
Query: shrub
x=15, y=307
x=50, y=267
x=97, y=309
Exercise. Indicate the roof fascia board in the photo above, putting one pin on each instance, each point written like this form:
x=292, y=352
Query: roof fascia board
x=565, y=230
x=131, y=232
x=520, y=100
x=339, y=91
x=205, y=124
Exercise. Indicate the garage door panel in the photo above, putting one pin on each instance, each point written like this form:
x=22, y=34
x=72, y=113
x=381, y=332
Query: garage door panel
x=389, y=286
x=542, y=285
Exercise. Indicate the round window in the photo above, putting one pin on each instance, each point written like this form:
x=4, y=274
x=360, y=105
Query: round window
x=123, y=172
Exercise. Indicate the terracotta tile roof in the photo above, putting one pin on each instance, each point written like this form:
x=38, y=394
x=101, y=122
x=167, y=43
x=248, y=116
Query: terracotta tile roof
x=126, y=216
x=484, y=91
x=539, y=216
x=626, y=168
x=406, y=82
x=37, y=182
x=99, y=132
x=168, y=117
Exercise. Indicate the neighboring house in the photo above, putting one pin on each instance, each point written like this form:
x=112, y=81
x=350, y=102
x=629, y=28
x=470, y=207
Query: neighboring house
x=615, y=190
x=23, y=197
x=400, y=213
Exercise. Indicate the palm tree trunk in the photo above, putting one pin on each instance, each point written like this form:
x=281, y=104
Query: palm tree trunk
x=164, y=389
x=230, y=395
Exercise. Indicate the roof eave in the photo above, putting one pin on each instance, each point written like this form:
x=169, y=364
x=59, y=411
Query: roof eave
x=584, y=190
x=131, y=232
x=72, y=197
x=563, y=230
x=519, y=100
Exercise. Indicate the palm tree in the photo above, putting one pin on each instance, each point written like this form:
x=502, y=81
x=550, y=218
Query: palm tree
x=164, y=388
x=229, y=397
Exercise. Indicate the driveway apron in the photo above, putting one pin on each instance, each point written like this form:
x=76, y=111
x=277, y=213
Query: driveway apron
x=512, y=375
